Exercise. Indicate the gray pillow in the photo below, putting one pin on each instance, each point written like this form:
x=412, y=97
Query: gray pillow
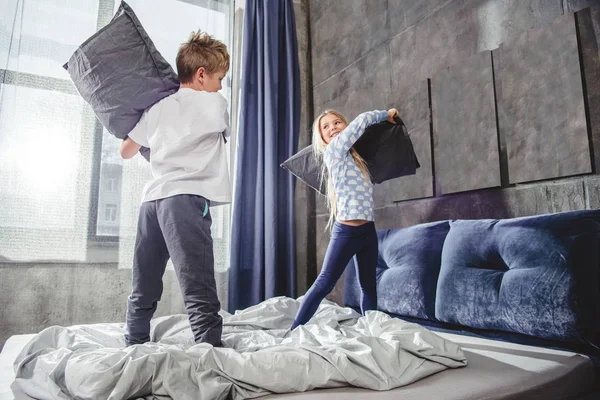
x=306, y=167
x=119, y=72
x=386, y=148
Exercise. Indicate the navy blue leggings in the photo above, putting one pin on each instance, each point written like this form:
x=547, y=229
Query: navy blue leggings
x=346, y=242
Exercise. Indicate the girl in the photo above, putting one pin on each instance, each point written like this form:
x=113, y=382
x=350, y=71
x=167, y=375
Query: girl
x=350, y=202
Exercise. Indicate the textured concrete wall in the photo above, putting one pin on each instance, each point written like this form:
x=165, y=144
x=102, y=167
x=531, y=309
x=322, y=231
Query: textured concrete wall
x=370, y=54
x=36, y=296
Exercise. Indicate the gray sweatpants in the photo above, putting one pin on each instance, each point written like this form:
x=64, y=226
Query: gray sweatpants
x=174, y=227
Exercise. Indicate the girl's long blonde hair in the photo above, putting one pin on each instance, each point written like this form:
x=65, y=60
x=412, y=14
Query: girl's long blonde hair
x=319, y=146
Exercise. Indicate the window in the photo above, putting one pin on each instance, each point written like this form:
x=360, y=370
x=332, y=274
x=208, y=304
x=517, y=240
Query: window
x=63, y=186
x=111, y=185
x=110, y=212
x=46, y=132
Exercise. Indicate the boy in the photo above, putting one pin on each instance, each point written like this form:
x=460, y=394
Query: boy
x=186, y=133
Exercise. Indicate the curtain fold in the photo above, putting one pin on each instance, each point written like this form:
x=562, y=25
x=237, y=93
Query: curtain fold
x=263, y=231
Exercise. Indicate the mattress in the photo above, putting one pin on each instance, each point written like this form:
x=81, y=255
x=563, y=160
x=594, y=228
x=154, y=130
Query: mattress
x=495, y=370
x=12, y=348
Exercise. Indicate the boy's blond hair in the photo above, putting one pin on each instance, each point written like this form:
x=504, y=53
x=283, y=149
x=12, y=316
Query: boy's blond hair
x=201, y=50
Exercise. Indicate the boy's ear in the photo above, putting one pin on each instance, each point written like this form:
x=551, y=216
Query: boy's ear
x=201, y=74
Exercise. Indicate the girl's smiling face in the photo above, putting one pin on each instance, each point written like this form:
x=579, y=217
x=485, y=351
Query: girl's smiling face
x=330, y=126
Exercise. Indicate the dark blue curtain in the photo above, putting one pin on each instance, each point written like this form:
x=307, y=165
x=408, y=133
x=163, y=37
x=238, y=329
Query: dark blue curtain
x=263, y=239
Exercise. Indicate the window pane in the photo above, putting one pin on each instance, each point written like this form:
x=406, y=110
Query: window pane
x=208, y=15
x=111, y=172
x=46, y=33
x=221, y=234
x=44, y=178
x=110, y=213
x=7, y=22
x=189, y=16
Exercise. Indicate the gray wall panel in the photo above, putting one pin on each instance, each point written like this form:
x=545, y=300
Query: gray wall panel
x=540, y=103
x=464, y=126
x=343, y=31
x=588, y=22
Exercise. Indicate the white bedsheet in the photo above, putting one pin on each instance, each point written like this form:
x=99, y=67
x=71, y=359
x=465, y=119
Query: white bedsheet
x=337, y=348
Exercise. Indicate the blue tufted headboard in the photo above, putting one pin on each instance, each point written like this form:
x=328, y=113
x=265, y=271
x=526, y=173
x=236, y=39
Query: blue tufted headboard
x=533, y=276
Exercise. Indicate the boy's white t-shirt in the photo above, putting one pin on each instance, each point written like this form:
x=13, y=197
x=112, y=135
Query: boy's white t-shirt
x=186, y=134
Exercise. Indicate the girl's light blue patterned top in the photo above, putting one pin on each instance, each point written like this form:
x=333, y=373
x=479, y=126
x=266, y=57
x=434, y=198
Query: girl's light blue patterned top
x=354, y=192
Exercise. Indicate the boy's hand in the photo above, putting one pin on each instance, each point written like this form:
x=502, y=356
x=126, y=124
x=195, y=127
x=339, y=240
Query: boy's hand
x=392, y=115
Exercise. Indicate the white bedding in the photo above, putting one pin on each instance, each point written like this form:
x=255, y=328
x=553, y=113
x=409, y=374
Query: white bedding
x=337, y=348
x=496, y=371
x=8, y=388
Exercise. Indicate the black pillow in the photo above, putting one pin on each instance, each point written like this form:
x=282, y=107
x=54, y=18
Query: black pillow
x=388, y=151
x=119, y=72
x=386, y=148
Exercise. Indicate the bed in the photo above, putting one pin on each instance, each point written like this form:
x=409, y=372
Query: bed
x=467, y=309
x=495, y=370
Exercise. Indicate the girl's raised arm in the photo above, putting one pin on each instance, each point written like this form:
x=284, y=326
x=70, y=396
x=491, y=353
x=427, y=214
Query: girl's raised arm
x=346, y=139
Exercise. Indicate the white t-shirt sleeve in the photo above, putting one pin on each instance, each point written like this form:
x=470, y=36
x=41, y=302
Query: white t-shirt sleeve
x=227, y=131
x=139, y=133
x=218, y=114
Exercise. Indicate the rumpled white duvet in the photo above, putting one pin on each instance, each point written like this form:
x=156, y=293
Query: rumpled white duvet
x=336, y=348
